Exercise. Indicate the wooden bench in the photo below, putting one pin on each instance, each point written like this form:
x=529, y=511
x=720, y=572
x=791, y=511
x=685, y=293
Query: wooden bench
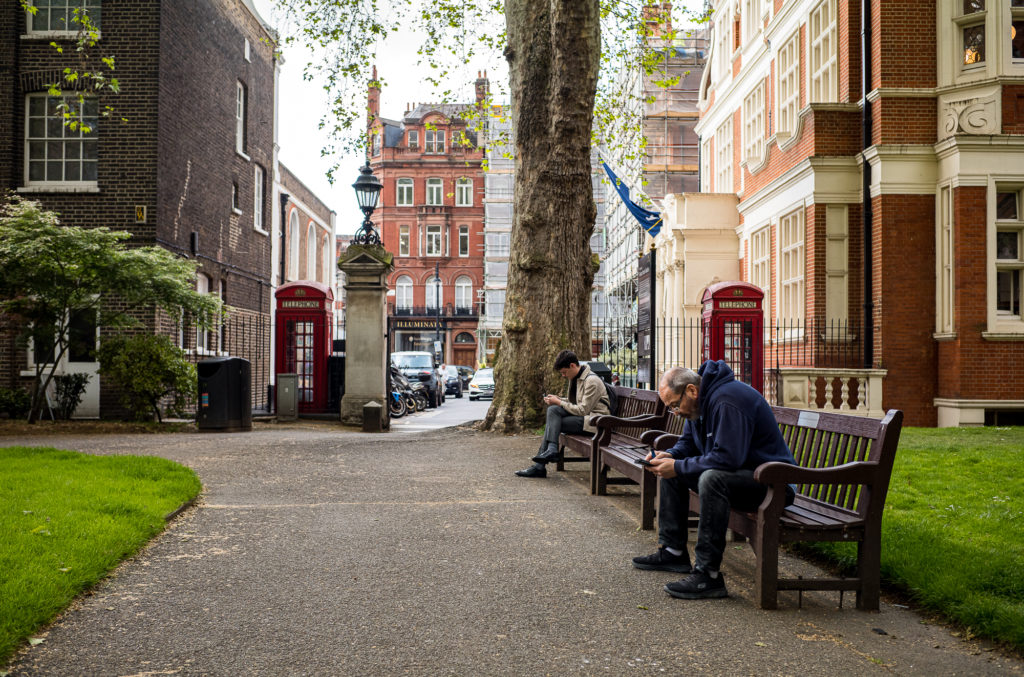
x=632, y=403
x=842, y=476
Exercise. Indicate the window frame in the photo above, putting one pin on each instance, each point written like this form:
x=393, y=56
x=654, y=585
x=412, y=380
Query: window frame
x=403, y=284
x=464, y=288
x=81, y=140
x=822, y=66
x=787, y=88
x=792, y=267
x=294, y=242
x=433, y=293
x=434, y=142
x=433, y=245
x=761, y=265
x=706, y=183
x=67, y=4
x=753, y=125
x=405, y=192
x=241, y=115
x=464, y=192
x=724, y=178
x=1006, y=321
x=258, y=198
x=435, y=191
x=463, y=241
x=311, y=257
x=204, y=283
x=404, y=240
x=413, y=139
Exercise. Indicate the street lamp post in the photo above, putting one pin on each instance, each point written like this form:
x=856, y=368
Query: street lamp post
x=367, y=188
x=437, y=307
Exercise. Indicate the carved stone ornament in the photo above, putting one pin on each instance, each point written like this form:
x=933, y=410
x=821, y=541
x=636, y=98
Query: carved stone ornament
x=977, y=114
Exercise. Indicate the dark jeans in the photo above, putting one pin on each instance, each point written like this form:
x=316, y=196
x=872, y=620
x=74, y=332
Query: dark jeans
x=559, y=421
x=719, y=490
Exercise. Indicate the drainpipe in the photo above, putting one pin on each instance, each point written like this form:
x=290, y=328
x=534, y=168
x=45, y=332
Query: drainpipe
x=285, y=197
x=868, y=215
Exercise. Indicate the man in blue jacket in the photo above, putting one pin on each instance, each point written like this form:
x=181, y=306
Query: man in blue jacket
x=729, y=431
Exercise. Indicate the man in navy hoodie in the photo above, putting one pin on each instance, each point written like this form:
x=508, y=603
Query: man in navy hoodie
x=729, y=431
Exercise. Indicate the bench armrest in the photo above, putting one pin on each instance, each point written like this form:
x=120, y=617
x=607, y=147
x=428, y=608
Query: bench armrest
x=663, y=441
x=648, y=436
x=860, y=472
x=609, y=421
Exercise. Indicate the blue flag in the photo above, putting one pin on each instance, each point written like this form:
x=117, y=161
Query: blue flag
x=649, y=221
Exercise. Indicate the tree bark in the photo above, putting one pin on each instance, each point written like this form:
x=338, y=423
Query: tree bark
x=553, y=52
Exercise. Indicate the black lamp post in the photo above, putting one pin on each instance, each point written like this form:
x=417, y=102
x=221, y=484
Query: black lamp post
x=367, y=188
x=437, y=305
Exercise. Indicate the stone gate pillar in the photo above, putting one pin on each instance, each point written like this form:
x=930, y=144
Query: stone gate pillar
x=366, y=268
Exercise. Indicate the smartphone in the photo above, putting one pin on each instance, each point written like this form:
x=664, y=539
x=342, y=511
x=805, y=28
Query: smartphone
x=643, y=461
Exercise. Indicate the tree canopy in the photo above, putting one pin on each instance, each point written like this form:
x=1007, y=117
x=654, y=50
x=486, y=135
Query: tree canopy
x=49, y=272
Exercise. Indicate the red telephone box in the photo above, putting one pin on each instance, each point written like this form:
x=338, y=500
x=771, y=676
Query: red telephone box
x=732, y=328
x=304, y=312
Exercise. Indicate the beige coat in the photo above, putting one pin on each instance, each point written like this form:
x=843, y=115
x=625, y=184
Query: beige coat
x=591, y=398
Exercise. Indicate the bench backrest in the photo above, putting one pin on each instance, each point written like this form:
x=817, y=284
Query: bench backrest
x=636, y=402
x=824, y=440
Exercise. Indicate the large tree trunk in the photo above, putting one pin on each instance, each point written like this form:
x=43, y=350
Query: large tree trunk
x=554, y=54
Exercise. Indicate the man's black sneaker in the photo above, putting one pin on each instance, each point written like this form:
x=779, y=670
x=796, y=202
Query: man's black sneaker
x=535, y=470
x=698, y=585
x=663, y=560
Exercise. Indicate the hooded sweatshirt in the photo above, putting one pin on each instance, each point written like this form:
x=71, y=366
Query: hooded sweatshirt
x=735, y=427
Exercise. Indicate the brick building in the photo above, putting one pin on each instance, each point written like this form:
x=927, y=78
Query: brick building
x=911, y=152
x=430, y=216
x=189, y=168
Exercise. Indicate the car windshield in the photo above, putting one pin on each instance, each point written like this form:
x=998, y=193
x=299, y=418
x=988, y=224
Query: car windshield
x=451, y=371
x=412, y=361
x=484, y=373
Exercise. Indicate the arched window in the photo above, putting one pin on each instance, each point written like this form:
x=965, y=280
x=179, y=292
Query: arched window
x=310, y=252
x=435, y=192
x=293, y=245
x=328, y=271
x=463, y=296
x=434, y=294
x=403, y=193
x=465, y=337
x=203, y=286
x=403, y=293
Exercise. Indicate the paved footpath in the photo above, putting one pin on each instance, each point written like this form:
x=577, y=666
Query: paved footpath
x=319, y=551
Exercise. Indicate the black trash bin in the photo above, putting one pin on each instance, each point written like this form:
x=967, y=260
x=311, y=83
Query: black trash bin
x=599, y=368
x=225, y=388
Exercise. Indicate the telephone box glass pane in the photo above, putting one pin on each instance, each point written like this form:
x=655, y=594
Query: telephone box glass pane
x=739, y=352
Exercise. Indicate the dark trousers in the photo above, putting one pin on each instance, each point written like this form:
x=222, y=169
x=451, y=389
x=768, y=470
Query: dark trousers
x=718, y=490
x=559, y=421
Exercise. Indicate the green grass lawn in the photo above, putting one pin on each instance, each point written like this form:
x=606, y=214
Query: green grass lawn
x=66, y=519
x=953, y=530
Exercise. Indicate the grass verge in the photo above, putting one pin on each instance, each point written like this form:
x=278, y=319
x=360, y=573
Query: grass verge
x=67, y=519
x=951, y=531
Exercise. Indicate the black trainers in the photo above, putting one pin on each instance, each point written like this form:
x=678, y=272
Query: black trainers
x=698, y=585
x=663, y=560
x=535, y=470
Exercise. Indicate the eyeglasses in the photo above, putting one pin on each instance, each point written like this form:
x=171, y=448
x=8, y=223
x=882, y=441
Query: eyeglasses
x=674, y=407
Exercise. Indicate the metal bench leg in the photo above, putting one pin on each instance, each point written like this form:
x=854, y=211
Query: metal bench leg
x=648, y=491
x=869, y=562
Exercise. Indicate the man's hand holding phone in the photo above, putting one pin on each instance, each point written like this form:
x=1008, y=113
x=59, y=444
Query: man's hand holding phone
x=661, y=464
x=552, y=399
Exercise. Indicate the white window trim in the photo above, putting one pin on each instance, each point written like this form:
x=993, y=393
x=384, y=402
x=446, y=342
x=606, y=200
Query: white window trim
x=258, y=199
x=241, y=109
x=408, y=240
x=791, y=104
x=200, y=331
x=830, y=66
x=405, y=182
x=761, y=265
x=294, y=240
x=464, y=232
x=435, y=189
x=837, y=264
x=945, y=271
x=705, y=166
x=311, y=244
x=40, y=35
x=465, y=284
x=434, y=229
x=724, y=178
x=52, y=186
x=753, y=127
x=404, y=282
x=1001, y=327
x=464, y=192
x=786, y=313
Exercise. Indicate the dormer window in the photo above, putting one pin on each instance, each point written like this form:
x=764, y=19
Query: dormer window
x=414, y=138
x=434, y=142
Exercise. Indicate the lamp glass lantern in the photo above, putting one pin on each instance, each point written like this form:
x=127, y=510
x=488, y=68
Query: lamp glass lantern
x=367, y=188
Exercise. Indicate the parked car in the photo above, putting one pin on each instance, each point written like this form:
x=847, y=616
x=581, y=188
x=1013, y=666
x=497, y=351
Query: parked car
x=452, y=381
x=482, y=385
x=419, y=366
x=466, y=373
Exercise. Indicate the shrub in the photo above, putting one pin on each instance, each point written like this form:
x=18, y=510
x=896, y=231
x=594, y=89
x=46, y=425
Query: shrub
x=15, y=402
x=147, y=369
x=70, y=389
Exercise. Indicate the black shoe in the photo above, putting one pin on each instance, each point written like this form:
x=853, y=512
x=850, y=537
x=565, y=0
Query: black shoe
x=547, y=456
x=698, y=585
x=663, y=560
x=536, y=470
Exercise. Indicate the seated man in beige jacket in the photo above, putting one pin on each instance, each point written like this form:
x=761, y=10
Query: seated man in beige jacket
x=586, y=397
